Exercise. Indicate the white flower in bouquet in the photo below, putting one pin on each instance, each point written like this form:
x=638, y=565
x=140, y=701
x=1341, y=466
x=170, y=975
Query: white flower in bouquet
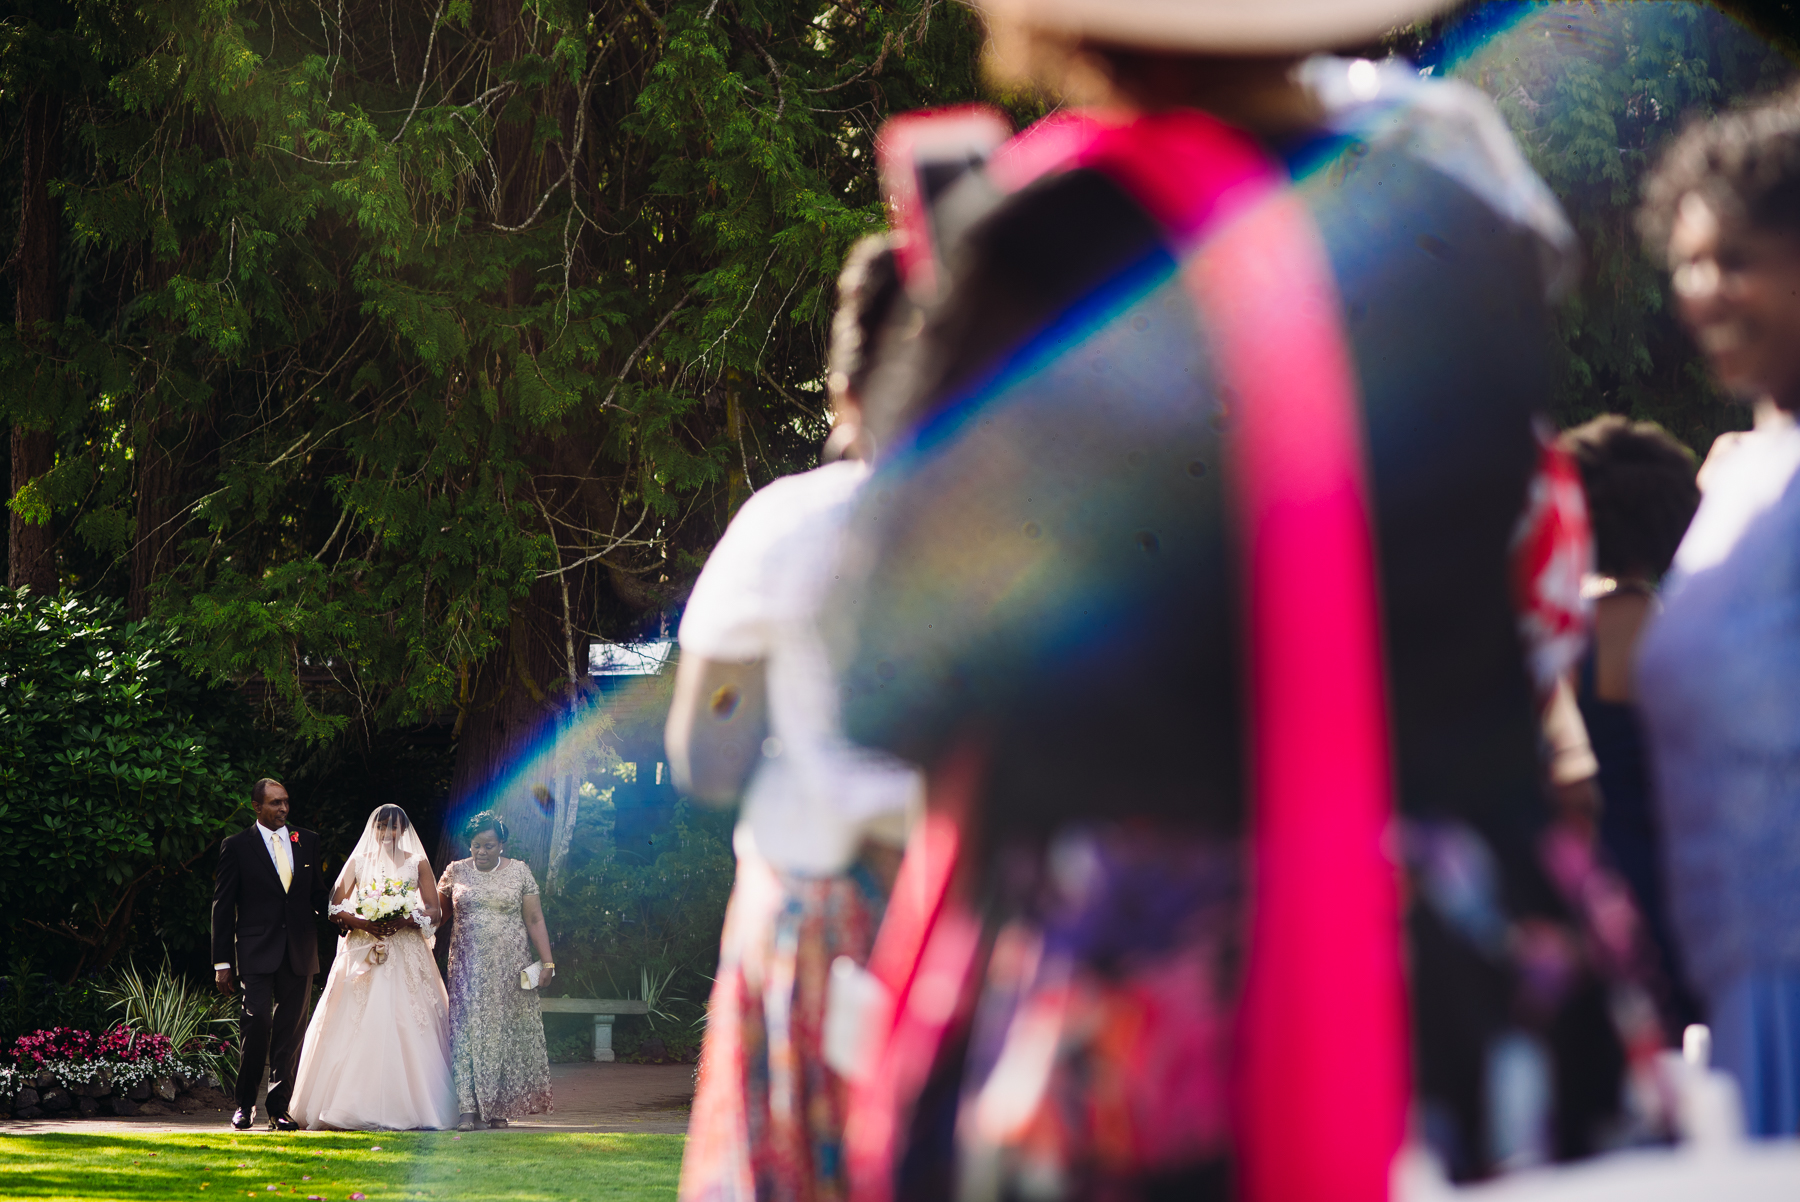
x=386, y=899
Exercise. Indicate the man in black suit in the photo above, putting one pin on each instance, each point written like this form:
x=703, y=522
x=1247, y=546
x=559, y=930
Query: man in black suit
x=268, y=889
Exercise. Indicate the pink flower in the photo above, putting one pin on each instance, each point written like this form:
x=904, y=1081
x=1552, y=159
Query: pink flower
x=357, y=1197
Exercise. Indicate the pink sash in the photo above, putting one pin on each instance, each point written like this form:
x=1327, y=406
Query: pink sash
x=1323, y=1077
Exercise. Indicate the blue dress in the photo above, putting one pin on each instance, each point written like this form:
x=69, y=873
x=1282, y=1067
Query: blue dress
x=1719, y=689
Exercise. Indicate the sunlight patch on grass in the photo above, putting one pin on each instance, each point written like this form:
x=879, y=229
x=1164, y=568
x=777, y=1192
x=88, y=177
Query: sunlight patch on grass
x=511, y=1166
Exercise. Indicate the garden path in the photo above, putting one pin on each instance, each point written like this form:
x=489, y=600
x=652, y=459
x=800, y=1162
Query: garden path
x=589, y=1097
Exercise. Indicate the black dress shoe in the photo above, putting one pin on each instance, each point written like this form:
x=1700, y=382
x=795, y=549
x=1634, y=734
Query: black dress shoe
x=282, y=1122
x=243, y=1117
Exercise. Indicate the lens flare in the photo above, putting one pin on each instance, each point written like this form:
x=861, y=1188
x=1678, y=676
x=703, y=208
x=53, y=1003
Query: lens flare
x=595, y=743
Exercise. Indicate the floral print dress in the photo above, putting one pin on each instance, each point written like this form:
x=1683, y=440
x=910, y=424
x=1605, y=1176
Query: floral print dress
x=496, y=1029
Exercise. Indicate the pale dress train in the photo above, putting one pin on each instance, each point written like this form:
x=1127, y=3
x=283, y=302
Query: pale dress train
x=377, y=1054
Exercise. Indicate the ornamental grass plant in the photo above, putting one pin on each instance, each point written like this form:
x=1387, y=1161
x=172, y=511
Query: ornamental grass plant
x=192, y=1018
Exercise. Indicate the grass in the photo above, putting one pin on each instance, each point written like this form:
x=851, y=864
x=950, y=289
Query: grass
x=511, y=1166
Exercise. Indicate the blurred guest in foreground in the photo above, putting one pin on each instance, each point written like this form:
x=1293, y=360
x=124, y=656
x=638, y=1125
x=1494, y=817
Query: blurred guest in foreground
x=1121, y=577
x=756, y=714
x=1718, y=676
x=1641, y=496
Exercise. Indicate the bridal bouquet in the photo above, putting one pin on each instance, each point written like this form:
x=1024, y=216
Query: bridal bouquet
x=386, y=899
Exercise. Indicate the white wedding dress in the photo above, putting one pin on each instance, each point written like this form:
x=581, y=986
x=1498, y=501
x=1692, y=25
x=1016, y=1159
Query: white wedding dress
x=377, y=1054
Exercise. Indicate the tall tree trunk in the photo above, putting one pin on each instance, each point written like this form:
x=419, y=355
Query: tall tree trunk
x=31, y=550
x=156, y=481
x=505, y=757
x=521, y=693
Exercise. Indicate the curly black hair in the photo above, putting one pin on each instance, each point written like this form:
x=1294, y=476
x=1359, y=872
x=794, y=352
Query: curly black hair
x=487, y=820
x=1640, y=491
x=1744, y=164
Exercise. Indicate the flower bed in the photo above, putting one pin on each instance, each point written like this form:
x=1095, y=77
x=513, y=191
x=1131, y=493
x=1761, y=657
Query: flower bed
x=66, y=1069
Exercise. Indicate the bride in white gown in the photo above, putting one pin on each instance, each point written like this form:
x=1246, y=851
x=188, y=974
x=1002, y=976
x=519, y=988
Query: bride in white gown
x=378, y=1051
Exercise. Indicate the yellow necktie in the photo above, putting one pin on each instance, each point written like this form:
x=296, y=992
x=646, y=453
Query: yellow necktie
x=284, y=865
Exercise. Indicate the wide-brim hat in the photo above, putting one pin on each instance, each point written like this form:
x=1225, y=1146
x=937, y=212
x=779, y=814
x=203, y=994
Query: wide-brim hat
x=1221, y=26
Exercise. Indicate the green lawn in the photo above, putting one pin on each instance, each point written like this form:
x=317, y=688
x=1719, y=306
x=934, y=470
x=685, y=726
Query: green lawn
x=492, y=1166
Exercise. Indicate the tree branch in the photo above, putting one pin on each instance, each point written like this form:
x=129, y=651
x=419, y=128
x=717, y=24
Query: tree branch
x=424, y=72
x=780, y=95
x=573, y=155
x=639, y=349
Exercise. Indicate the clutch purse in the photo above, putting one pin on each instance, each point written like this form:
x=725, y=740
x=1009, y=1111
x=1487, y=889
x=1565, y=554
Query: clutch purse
x=528, y=976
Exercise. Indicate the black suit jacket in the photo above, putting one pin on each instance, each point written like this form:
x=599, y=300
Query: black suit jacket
x=255, y=923
x=1057, y=422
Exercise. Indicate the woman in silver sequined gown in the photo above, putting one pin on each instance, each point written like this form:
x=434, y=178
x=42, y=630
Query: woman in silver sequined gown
x=496, y=1028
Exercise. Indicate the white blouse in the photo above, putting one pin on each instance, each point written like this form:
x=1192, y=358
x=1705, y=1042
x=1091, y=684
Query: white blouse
x=814, y=796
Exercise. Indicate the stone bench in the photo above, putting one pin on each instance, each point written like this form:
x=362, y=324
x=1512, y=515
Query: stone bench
x=604, y=1011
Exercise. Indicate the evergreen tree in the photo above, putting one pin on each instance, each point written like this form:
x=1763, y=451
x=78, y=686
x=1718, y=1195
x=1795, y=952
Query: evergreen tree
x=409, y=347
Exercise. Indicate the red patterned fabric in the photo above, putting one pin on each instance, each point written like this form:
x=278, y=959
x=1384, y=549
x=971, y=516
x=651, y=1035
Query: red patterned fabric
x=1553, y=550
x=769, y=1114
x=1323, y=1085
x=924, y=955
x=1100, y=1051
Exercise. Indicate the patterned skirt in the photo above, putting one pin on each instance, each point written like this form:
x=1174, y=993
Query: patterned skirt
x=1073, y=1038
x=768, y=1114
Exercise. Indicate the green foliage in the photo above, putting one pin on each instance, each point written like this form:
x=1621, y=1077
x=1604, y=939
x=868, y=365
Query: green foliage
x=624, y=926
x=382, y=316
x=1594, y=93
x=636, y=1041
x=336, y=783
x=182, y=1009
x=32, y=1001
x=569, y=1042
x=118, y=772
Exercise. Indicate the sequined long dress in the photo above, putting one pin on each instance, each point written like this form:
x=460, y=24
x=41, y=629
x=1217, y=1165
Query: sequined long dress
x=496, y=1029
